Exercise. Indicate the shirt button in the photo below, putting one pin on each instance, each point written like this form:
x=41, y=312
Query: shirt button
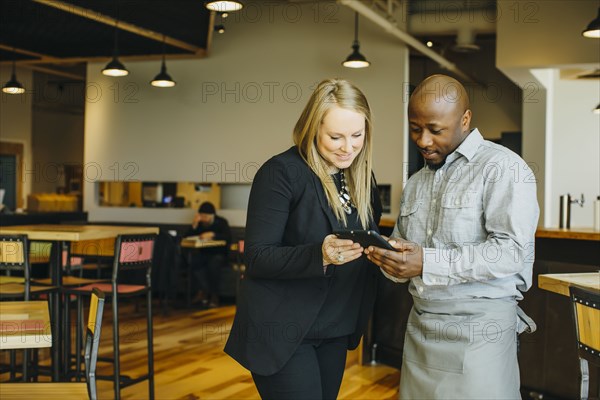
x=420, y=289
x=433, y=201
x=457, y=201
x=429, y=232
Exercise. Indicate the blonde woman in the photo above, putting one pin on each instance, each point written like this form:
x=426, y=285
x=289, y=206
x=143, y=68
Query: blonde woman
x=307, y=295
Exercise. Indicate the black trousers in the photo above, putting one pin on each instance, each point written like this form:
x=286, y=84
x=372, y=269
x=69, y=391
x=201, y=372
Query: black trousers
x=206, y=270
x=314, y=372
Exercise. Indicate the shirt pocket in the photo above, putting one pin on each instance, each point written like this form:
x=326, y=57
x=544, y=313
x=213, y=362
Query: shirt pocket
x=411, y=226
x=458, y=217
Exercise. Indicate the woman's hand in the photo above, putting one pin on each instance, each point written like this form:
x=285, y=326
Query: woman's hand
x=339, y=251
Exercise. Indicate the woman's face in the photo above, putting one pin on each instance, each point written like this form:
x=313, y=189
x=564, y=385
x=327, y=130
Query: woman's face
x=341, y=137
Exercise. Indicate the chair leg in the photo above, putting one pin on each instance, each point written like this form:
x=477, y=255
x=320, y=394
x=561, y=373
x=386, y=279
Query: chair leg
x=67, y=332
x=150, y=337
x=585, y=379
x=117, y=363
x=78, y=339
x=13, y=364
x=25, y=365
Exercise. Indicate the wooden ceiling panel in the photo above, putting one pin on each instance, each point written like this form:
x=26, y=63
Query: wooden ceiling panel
x=84, y=28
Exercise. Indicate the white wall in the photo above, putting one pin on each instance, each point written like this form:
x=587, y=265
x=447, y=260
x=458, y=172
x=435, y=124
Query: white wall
x=561, y=134
x=544, y=33
x=233, y=110
x=575, y=151
x=15, y=122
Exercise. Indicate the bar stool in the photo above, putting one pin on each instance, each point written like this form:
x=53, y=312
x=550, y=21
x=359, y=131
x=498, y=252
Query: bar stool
x=132, y=253
x=68, y=390
x=14, y=256
x=586, y=313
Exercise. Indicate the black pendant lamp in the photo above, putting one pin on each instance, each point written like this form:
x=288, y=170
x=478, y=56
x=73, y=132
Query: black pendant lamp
x=13, y=86
x=224, y=6
x=597, y=109
x=356, y=60
x=593, y=29
x=163, y=79
x=115, y=67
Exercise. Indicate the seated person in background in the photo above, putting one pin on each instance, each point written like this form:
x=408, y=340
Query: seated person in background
x=206, y=263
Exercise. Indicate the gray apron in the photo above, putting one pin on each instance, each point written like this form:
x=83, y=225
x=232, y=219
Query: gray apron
x=462, y=349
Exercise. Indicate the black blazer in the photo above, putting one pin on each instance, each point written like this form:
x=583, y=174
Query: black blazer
x=285, y=285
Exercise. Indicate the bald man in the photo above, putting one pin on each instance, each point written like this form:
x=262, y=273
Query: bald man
x=465, y=240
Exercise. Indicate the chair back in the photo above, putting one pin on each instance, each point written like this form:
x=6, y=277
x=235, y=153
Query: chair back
x=586, y=312
x=14, y=256
x=134, y=252
x=92, y=340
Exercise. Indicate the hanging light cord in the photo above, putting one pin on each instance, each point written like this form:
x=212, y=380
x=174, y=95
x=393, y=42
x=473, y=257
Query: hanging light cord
x=116, y=48
x=164, y=48
x=356, y=27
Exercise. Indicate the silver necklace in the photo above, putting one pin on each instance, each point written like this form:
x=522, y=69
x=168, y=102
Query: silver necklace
x=343, y=195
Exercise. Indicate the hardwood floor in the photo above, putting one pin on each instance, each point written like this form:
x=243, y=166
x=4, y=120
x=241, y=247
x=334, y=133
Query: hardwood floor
x=190, y=362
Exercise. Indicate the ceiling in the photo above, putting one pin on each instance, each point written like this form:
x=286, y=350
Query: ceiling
x=60, y=36
x=54, y=35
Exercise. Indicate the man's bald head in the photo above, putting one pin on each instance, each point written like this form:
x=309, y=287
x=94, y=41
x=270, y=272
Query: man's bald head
x=439, y=118
x=441, y=90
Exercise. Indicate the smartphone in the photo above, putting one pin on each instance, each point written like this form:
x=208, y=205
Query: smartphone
x=365, y=238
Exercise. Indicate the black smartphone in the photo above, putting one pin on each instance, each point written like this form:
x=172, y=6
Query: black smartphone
x=365, y=238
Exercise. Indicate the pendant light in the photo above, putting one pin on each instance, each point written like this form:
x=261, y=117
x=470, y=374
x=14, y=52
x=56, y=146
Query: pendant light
x=224, y=6
x=356, y=60
x=163, y=79
x=115, y=67
x=13, y=86
x=593, y=29
x=597, y=109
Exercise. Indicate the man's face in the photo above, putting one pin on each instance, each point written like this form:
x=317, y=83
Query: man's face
x=437, y=128
x=206, y=219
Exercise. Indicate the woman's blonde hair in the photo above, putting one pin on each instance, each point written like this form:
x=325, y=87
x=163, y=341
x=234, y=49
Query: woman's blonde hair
x=328, y=94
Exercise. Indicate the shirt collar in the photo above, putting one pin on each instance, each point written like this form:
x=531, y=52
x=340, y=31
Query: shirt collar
x=468, y=147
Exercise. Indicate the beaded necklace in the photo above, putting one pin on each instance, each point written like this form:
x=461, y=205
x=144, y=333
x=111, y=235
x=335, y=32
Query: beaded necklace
x=343, y=195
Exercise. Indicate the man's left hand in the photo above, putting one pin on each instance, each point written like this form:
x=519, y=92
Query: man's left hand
x=207, y=235
x=404, y=263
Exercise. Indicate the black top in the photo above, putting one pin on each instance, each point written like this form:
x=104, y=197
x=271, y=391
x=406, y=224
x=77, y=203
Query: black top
x=338, y=315
x=284, y=288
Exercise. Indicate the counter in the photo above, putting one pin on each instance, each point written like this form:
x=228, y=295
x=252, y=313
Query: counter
x=574, y=233
x=32, y=218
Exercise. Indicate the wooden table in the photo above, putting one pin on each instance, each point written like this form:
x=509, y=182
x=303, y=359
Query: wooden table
x=24, y=325
x=560, y=283
x=43, y=390
x=58, y=234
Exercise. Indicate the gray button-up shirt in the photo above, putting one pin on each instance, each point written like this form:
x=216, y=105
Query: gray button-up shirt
x=475, y=218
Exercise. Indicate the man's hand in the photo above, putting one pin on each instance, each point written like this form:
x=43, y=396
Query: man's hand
x=403, y=264
x=196, y=220
x=207, y=235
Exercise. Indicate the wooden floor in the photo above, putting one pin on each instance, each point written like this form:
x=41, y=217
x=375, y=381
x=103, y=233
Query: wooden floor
x=190, y=363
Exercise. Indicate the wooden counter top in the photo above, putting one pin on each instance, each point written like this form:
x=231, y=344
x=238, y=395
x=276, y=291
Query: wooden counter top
x=559, y=283
x=547, y=233
x=387, y=222
x=573, y=233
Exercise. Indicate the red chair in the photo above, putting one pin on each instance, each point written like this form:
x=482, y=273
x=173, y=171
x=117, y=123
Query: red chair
x=132, y=253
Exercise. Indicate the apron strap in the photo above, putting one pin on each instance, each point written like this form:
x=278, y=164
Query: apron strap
x=524, y=322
